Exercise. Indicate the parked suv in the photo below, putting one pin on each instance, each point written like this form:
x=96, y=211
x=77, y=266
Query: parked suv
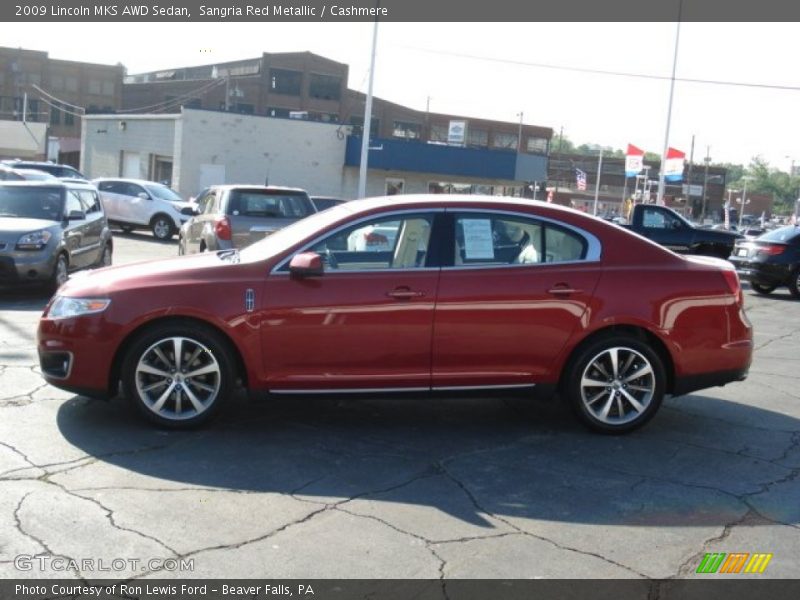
x=54, y=169
x=48, y=229
x=235, y=216
x=139, y=204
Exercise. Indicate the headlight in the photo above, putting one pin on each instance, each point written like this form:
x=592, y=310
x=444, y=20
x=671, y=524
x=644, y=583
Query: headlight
x=35, y=240
x=63, y=307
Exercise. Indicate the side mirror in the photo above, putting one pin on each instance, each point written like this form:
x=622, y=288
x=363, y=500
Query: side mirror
x=306, y=264
x=190, y=211
x=143, y=195
x=76, y=215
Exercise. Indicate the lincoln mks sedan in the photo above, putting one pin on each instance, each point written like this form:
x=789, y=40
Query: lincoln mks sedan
x=468, y=293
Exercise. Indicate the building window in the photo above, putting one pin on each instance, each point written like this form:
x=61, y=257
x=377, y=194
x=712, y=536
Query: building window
x=406, y=130
x=244, y=108
x=33, y=110
x=438, y=133
x=394, y=186
x=108, y=88
x=56, y=81
x=274, y=111
x=282, y=81
x=537, y=145
x=55, y=116
x=71, y=84
x=94, y=86
x=358, y=126
x=69, y=118
x=325, y=87
x=34, y=78
x=477, y=137
x=505, y=140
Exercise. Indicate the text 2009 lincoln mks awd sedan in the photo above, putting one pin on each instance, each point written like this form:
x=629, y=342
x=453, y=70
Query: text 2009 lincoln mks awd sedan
x=466, y=293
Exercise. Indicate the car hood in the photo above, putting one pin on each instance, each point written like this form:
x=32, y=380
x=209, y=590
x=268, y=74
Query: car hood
x=181, y=204
x=18, y=225
x=182, y=270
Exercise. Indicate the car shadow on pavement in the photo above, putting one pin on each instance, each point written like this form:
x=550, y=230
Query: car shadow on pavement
x=489, y=462
x=143, y=235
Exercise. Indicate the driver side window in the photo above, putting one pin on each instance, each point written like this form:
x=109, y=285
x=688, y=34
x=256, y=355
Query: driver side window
x=385, y=243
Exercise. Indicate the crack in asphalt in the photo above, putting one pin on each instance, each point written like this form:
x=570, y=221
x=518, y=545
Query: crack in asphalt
x=741, y=424
x=776, y=339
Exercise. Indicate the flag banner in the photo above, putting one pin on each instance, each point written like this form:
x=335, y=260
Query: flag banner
x=634, y=161
x=673, y=166
x=580, y=179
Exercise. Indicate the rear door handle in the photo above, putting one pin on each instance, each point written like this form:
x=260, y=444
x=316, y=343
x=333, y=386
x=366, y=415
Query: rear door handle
x=562, y=289
x=404, y=294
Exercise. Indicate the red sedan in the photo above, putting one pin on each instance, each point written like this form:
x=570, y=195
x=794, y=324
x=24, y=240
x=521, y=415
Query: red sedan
x=472, y=293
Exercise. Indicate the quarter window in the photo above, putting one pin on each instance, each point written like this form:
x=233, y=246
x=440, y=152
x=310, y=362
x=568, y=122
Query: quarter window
x=387, y=243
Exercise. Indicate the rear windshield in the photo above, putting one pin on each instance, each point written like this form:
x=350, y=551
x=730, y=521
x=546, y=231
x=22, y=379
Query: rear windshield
x=32, y=203
x=784, y=234
x=268, y=204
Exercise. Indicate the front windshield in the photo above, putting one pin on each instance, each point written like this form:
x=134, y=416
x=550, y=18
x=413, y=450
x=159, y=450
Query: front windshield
x=32, y=203
x=163, y=193
x=294, y=234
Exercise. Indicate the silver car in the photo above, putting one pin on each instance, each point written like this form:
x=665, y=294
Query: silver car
x=235, y=216
x=48, y=229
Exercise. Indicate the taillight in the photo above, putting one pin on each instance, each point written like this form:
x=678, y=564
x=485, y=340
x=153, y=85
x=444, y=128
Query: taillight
x=222, y=228
x=771, y=249
x=732, y=279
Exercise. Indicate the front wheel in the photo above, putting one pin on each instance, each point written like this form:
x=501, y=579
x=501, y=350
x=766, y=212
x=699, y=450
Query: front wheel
x=60, y=273
x=162, y=228
x=178, y=375
x=616, y=384
x=763, y=289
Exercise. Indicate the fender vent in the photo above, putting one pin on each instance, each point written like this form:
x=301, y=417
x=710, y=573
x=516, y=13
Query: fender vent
x=249, y=300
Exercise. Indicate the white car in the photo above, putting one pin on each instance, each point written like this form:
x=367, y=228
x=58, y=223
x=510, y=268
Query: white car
x=139, y=204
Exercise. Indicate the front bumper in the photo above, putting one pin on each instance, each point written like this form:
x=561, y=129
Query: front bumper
x=31, y=266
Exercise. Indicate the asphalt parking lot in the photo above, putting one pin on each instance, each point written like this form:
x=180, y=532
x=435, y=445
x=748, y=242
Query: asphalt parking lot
x=452, y=487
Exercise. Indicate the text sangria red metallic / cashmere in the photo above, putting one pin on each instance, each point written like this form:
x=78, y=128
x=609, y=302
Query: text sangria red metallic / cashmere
x=451, y=293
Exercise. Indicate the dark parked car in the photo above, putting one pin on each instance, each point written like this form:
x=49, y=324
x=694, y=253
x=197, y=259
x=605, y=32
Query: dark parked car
x=50, y=229
x=54, y=169
x=445, y=306
x=771, y=260
x=325, y=202
x=234, y=216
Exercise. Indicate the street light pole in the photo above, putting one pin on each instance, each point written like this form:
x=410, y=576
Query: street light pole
x=744, y=200
x=661, y=175
x=519, y=135
x=707, y=160
x=362, y=172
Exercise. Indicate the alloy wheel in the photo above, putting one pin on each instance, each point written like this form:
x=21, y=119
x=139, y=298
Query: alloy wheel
x=178, y=378
x=617, y=385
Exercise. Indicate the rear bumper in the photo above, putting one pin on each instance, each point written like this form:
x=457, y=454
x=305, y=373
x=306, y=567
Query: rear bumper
x=765, y=274
x=690, y=383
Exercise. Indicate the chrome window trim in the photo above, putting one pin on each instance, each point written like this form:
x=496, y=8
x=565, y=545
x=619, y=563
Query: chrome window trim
x=319, y=238
x=458, y=388
x=594, y=249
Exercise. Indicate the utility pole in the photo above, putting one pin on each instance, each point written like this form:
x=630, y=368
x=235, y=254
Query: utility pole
x=661, y=175
x=706, y=160
x=597, y=183
x=519, y=135
x=689, y=180
x=362, y=171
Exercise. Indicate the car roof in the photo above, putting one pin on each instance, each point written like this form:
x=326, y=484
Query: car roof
x=49, y=183
x=128, y=180
x=255, y=186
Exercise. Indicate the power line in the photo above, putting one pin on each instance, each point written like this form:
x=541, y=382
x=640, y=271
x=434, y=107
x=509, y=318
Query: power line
x=509, y=61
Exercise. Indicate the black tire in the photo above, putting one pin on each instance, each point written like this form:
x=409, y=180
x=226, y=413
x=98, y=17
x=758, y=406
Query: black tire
x=162, y=227
x=794, y=283
x=60, y=273
x=613, y=394
x=171, y=386
x=106, y=257
x=763, y=289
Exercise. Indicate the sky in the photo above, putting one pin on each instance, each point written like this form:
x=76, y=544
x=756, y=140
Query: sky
x=497, y=70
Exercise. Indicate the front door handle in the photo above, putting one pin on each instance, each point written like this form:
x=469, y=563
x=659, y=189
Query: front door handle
x=563, y=289
x=404, y=294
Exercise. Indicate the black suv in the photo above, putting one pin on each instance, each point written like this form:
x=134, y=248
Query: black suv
x=48, y=167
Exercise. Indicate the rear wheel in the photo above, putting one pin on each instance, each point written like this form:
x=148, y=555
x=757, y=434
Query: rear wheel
x=763, y=289
x=794, y=283
x=616, y=384
x=178, y=375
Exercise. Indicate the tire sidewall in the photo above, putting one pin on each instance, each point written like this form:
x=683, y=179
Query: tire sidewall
x=794, y=283
x=212, y=340
x=170, y=227
x=580, y=361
